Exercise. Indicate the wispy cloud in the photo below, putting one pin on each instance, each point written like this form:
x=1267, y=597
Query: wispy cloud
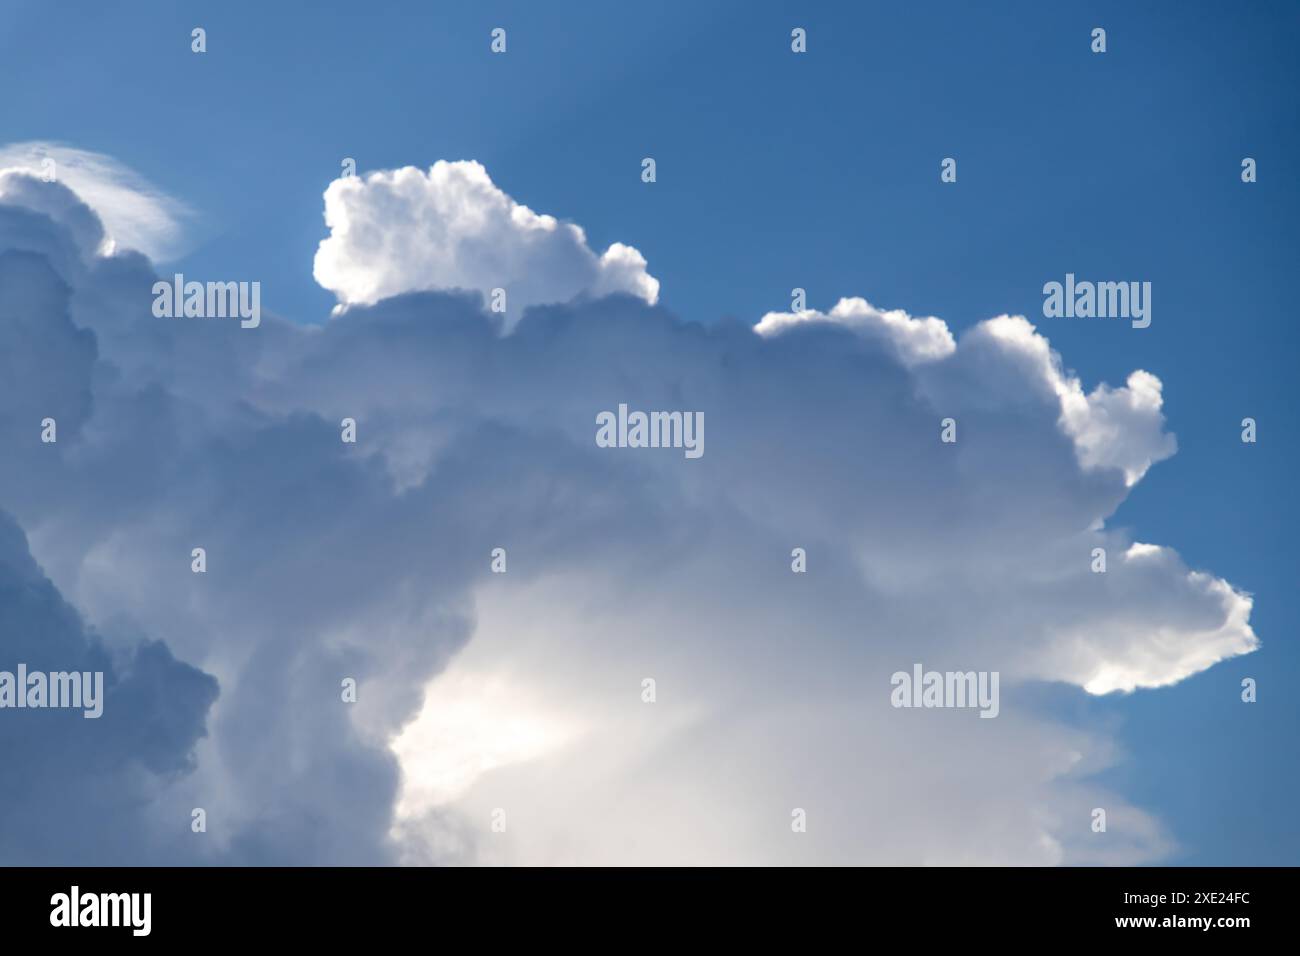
x=135, y=213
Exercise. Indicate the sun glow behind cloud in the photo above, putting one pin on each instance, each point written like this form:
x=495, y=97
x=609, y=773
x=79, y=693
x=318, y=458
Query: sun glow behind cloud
x=471, y=723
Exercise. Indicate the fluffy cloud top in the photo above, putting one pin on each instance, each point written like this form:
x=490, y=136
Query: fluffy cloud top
x=523, y=691
x=459, y=231
x=912, y=340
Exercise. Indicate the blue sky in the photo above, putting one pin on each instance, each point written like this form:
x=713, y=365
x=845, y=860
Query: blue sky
x=819, y=171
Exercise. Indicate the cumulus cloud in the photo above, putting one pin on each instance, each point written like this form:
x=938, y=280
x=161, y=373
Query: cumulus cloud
x=522, y=691
x=459, y=231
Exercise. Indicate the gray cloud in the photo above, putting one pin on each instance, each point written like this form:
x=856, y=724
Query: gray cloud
x=79, y=790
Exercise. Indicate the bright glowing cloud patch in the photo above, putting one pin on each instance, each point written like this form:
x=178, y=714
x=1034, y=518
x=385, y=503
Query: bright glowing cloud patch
x=459, y=231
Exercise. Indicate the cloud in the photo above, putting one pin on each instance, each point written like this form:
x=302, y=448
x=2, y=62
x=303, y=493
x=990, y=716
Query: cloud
x=459, y=231
x=329, y=560
x=136, y=214
x=73, y=784
x=912, y=340
x=1119, y=428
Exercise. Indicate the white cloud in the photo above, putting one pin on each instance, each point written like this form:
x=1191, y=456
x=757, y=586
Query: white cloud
x=406, y=230
x=1111, y=427
x=1120, y=428
x=914, y=340
x=522, y=690
x=136, y=214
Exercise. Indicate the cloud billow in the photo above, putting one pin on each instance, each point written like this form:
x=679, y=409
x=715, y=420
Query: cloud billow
x=480, y=691
x=458, y=230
